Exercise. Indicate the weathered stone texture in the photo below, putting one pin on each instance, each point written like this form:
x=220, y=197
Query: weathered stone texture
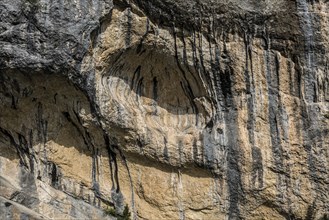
x=179, y=109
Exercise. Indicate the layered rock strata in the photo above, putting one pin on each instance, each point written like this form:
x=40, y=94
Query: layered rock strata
x=178, y=109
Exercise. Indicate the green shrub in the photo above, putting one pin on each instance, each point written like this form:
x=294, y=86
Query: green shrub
x=111, y=212
x=126, y=214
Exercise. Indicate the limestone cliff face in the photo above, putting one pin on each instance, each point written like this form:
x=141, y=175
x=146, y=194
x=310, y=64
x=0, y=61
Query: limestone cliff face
x=179, y=109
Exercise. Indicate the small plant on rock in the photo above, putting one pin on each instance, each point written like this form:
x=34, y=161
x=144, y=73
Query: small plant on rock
x=124, y=216
x=110, y=211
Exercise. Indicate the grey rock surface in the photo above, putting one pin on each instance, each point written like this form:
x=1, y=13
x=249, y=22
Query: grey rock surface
x=177, y=109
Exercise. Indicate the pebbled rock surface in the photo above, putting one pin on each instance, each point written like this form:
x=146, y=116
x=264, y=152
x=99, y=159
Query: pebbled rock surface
x=178, y=109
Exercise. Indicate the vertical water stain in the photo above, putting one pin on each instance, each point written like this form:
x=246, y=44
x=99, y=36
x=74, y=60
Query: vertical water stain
x=257, y=167
x=129, y=27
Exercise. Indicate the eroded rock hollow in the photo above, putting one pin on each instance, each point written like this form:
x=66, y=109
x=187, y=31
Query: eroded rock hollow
x=164, y=109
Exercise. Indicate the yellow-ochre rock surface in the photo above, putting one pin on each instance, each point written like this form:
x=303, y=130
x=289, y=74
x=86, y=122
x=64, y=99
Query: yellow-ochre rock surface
x=164, y=109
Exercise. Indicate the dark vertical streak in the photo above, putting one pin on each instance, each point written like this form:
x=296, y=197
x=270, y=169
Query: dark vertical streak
x=180, y=151
x=186, y=86
x=54, y=175
x=136, y=75
x=247, y=77
x=129, y=26
x=139, y=89
x=110, y=155
x=257, y=167
x=195, y=151
x=273, y=96
x=250, y=90
x=155, y=89
x=19, y=151
x=113, y=164
x=234, y=181
x=14, y=102
x=165, y=150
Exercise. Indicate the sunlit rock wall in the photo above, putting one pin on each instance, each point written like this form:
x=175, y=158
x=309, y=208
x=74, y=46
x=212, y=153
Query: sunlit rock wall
x=178, y=109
